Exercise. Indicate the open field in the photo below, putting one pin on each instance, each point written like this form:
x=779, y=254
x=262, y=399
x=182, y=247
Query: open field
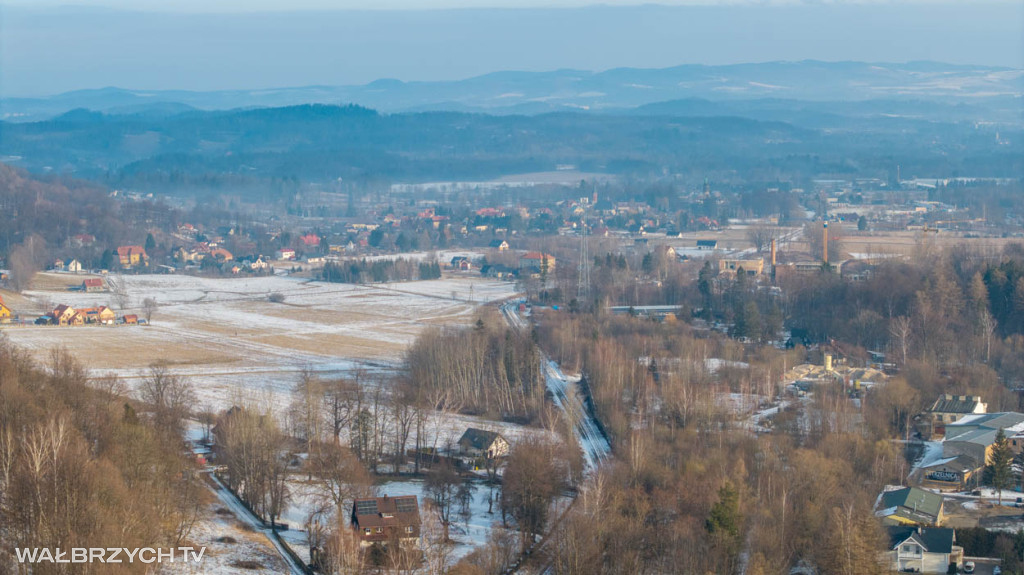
x=227, y=336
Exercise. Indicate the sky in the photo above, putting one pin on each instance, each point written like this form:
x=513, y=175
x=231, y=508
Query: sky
x=48, y=46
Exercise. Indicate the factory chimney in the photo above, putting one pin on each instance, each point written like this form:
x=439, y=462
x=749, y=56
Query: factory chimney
x=824, y=242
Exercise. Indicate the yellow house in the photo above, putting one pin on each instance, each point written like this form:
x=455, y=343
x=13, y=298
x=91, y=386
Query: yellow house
x=5, y=312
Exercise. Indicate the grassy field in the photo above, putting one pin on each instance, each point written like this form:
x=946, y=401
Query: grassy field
x=228, y=336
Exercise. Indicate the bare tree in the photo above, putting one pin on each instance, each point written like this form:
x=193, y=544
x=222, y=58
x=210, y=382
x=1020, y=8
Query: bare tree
x=988, y=329
x=149, y=306
x=761, y=235
x=169, y=395
x=119, y=289
x=25, y=260
x=901, y=329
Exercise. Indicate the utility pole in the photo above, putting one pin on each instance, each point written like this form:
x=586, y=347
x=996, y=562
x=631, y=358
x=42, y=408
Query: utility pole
x=583, y=284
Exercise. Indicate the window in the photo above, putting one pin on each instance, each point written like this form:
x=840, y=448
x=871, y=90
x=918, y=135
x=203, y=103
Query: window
x=380, y=530
x=367, y=531
x=408, y=529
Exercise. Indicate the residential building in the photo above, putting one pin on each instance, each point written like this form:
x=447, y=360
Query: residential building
x=131, y=256
x=482, y=443
x=909, y=506
x=284, y=254
x=5, y=312
x=102, y=315
x=500, y=245
x=93, y=285
x=950, y=409
x=537, y=260
x=385, y=519
x=66, y=315
x=922, y=550
x=73, y=266
x=707, y=244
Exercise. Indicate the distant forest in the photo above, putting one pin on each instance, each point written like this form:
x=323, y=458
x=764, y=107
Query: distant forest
x=257, y=149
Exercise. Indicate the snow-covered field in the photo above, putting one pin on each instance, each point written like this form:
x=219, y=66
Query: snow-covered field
x=231, y=547
x=233, y=342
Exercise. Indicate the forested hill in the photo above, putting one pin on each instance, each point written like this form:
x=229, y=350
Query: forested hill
x=326, y=142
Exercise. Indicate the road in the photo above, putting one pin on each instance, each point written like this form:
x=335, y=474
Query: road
x=568, y=397
x=244, y=515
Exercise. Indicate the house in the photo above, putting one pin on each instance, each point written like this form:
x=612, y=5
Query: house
x=384, y=519
x=537, y=260
x=5, y=312
x=93, y=285
x=284, y=254
x=130, y=256
x=752, y=267
x=482, y=443
x=131, y=319
x=707, y=244
x=500, y=245
x=66, y=315
x=950, y=409
x=74, y=266
x=461, y=263
x=909, y=506
x=922, y=550
x=102, y=315
x=498, y=271
x=83, y=240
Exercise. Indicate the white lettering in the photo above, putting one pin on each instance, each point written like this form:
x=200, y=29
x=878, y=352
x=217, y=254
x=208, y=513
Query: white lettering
x=26, y=555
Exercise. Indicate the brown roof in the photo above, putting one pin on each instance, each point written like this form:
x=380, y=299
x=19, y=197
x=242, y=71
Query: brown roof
x=386, y=511
x=93, y=282
x=125, y=251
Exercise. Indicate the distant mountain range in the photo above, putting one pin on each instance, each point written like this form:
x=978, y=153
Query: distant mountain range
x=810, y=89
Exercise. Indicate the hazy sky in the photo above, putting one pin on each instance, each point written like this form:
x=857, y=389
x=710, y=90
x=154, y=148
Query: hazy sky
x=48, y=47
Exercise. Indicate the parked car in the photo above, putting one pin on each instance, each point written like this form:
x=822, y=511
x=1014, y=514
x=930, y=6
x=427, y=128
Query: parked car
x=997, y=570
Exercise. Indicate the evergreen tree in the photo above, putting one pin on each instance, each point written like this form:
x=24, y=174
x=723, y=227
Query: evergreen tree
x=998, y=472
x=150, y=243
x=724, y=519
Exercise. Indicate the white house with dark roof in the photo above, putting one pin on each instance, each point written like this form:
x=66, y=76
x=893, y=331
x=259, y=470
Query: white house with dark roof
x=922, y=550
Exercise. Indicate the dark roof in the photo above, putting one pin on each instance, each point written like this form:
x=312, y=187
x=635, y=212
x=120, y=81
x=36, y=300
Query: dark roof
x=386, y=511
x=947, y=403
x=707, y=243
x=912, y=504
x=933, y=539
x=478, y=438
x=496, y=243
x=960, y=462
